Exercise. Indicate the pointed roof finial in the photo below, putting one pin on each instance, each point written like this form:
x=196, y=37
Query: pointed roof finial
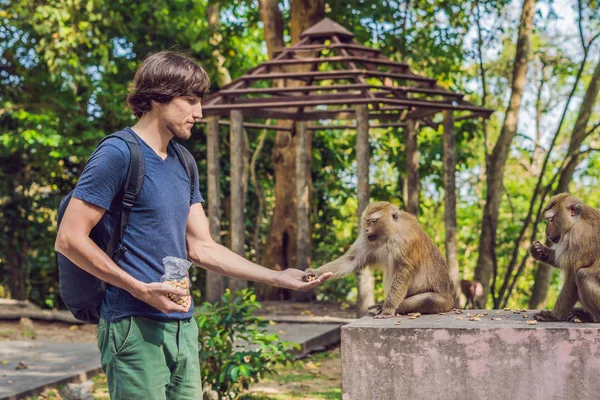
x=326, y=28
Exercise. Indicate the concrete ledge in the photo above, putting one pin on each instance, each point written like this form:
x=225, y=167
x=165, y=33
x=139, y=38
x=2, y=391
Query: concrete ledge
x=14, y=313
x=441, y=357
x=305, y=319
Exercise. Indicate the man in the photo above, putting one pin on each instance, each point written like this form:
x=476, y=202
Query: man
x=149, y=343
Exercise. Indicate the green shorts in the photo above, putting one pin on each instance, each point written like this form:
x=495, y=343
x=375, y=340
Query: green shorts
x=148, y=359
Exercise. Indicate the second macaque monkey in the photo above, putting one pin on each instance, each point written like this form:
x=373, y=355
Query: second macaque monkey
x=416, y=277
x=573, y=232
x=473, y=292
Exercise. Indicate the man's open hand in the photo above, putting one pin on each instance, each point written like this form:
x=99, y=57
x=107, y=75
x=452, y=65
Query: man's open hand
x=291, y=278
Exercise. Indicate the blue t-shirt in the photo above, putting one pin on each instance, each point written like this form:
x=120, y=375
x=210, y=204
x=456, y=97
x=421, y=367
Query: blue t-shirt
x=157, y=222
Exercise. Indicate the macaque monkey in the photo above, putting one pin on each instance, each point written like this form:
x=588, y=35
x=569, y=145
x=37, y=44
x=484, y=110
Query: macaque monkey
x=416, y=277
x=473, y=291
x=573, y=236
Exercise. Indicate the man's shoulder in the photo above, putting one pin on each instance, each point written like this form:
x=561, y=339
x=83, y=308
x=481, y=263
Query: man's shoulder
x=113, y=147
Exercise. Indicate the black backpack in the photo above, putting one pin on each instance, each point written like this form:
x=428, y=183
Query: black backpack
x=82, y=292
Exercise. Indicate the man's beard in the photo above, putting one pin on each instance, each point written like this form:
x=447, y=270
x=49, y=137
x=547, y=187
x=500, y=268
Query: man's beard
x=178, y=133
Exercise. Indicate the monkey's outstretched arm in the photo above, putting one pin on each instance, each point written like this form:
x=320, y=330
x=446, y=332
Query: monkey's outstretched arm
x=354, y=259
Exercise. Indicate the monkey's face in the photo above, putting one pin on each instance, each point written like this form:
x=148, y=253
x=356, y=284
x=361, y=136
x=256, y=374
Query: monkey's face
x=372, y=226
x=560, y=217
x=379, y=225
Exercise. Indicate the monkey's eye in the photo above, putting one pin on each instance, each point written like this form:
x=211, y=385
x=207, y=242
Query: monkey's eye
x=374, y=220
x=549, y=219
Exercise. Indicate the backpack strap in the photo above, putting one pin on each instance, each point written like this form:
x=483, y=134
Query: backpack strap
x=189, y=164
x=131, y=189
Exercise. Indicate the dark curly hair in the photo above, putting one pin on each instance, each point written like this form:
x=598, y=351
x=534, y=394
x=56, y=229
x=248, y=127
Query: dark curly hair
x=165, y=75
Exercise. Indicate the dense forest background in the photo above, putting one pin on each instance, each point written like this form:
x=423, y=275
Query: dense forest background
x=65, y=66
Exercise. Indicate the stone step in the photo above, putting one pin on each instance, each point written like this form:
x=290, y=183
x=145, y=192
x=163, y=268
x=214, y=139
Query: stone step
x=311, y=337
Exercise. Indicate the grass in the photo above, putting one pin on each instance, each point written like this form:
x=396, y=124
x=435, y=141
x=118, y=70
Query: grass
x=314, y=378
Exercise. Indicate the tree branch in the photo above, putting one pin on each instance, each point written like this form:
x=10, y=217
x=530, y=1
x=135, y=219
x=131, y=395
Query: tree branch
x=515, y=253
x=259, y=193
x=588, y=133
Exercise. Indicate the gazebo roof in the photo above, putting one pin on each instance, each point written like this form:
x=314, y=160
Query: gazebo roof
x=327, y=73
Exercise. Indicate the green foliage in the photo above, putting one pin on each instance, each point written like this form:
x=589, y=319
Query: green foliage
x=66, y=66
x=235, y=348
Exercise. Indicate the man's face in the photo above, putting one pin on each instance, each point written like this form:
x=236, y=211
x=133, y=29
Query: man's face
x=179, y=115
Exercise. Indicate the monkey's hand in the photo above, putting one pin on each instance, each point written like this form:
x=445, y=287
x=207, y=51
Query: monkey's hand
x=385, y=312
x=375, y=309
x=384, y=315
x=539, y=251
x=581, y=315
x=545, y=316
x=310, y=275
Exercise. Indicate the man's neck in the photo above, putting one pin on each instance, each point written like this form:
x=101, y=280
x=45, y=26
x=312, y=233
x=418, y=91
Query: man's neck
x=153, y=133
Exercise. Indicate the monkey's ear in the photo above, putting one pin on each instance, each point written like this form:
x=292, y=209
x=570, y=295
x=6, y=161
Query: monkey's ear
x=575, y=209
x=395, y=215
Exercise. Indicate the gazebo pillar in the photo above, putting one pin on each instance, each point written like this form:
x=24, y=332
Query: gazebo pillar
x=411, y=188
x=215, y=283
x=449, y=157
x=303, y=243
x=366, y=284
x=236, y=142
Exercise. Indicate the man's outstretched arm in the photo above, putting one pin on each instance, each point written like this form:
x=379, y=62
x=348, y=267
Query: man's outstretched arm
x=205, y=252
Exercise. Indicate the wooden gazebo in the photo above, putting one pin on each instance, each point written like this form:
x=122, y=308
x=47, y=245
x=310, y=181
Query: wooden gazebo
x=329, y=76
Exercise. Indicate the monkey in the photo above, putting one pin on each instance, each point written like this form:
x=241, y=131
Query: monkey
x=416, y=278
x=473, y=291
x=573, y=245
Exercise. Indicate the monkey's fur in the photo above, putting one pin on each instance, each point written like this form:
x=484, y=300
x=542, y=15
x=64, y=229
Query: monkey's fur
x=416, y=277
x=573, y=234
x=473, y=292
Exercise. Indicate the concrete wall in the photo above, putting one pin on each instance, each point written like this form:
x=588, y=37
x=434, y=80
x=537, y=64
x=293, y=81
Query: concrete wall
x=441, y=357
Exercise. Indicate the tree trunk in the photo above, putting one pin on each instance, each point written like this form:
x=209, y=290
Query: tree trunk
x=215, y=283
x=236, y=140
x=303, y=242
x=303, y=15
x=271, y=17
x=543, y=274
x=487, y=256
x=411, y=184
x=280, y=253
x=276, y=252
x=16, y=258
x=17, y=226
x=282, y=238
x=366, y=283
x=449, y=149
